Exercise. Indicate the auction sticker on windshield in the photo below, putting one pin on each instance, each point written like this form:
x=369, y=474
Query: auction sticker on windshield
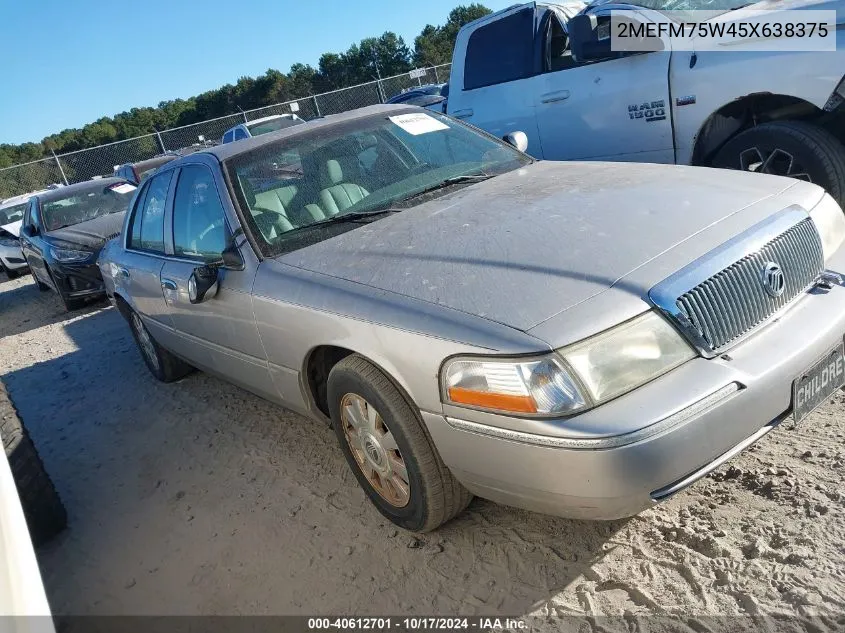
x=818, y=383
x=418, y=123
x=123, y=188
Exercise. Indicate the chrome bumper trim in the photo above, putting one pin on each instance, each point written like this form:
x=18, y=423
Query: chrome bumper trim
x=668, y=491
x=613, y=441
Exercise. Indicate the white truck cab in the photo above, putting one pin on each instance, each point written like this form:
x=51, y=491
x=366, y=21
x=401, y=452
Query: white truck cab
x=526, y=68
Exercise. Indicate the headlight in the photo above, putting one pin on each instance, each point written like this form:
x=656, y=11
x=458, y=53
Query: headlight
x=830, y=223
x=627, y=356
x=537, y=386
x=9, y=241
x=69, y=255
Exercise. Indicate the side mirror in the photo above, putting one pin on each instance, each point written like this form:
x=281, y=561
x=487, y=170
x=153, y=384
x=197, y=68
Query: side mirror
x=518, y=139
x=29, y=230
x=202, y=284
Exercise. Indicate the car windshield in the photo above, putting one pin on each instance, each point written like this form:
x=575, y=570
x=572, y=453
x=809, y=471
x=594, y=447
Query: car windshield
x=12, y=214
x=295, y=186
x=270, y=126
x=713, y=7
x=85, y=205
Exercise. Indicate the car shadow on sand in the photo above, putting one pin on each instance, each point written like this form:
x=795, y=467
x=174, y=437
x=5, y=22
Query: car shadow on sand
x=198, y=497
x=24, y=308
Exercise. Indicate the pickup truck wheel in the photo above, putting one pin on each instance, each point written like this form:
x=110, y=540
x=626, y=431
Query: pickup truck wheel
x=788, y=148
x=45, y=514
x=388, y=448
x=161, y=363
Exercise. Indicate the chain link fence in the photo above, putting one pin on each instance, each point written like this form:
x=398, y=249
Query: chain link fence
x=84, y=164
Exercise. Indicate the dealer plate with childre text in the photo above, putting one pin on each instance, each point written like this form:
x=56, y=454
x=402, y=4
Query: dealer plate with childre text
x=818, y=383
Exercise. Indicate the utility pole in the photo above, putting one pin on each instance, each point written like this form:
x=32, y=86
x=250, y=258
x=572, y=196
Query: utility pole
x=242, y=112
x=59, y=163
x=381, y=96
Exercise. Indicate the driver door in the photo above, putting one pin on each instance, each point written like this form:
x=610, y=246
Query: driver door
x=614, y=109
x=219, y=334
x=31, y=243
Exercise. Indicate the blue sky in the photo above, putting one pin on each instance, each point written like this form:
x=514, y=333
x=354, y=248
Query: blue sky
x=68, y=63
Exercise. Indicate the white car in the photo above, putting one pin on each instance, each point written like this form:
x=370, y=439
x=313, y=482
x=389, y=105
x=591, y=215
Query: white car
x=260, y=126
x=30, y=513
x=12, y=261
x=546, y=69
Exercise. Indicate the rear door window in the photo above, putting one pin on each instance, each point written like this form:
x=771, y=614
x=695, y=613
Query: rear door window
x=147, y=231
x=501, y=51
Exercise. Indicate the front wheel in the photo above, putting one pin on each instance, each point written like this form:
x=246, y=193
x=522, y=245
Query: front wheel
x=387, y=448
x=161, y=363
x=795, y=149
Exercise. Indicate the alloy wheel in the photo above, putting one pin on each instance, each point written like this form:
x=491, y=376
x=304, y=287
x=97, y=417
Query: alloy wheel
x=777, y=162
x=375, y=450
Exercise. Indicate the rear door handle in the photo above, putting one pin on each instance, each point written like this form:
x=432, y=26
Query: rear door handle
x=553, y=97
x=169, y=284
x=463, y=114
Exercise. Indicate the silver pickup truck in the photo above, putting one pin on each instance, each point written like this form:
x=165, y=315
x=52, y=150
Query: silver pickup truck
x=583, y=339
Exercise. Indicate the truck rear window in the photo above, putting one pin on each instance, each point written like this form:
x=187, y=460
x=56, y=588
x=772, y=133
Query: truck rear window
x=501, y=51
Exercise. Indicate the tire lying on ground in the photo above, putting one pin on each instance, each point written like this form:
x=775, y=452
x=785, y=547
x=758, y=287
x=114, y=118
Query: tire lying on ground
x=795, y=149
x=44, y=511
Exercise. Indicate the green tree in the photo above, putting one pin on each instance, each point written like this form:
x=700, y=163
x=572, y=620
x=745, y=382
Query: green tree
x=434, y=45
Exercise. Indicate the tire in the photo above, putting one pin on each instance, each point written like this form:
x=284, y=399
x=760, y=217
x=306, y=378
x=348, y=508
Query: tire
x=42, y=287
x=45, y=514
x=788, y=148
x=433, y=495
x=162, y=364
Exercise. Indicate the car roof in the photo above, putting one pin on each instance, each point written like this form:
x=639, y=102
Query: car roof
x=228, y=150
x=80, y=187
x=272, y=117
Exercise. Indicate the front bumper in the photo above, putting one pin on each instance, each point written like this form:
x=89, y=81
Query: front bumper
x=78, y=280
x=677, y=428
x=12, y=257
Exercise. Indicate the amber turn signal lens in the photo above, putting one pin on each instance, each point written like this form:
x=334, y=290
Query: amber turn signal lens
x=502, y=402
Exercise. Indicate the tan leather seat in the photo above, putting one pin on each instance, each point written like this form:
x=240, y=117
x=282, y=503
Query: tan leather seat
x=277, y=200
x=267, y=209
x=339, y=195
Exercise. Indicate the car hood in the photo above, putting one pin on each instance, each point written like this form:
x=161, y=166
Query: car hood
x=527, y=245
x=13, y=228
x=91, y=233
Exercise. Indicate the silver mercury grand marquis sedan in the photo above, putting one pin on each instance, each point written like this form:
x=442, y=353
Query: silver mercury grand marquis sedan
x=581, y=339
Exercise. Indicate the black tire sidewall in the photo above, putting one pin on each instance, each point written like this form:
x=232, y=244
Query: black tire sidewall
x=158, y=372
x=343, y=381
x=798, y=140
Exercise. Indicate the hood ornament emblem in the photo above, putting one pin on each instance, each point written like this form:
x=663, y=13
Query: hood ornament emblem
x=774, y=282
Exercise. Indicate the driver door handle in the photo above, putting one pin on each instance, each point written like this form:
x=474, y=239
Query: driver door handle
x=554, y=97
x=169, y=284
x=124, y=272
x=463, y=114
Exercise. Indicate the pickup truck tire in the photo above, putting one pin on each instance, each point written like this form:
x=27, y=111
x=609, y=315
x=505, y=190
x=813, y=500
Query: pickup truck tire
x=391, y=432
x=45, y=514
x=162, y=364
x=788, y=148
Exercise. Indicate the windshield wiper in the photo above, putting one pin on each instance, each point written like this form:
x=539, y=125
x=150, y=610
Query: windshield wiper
x=443, y=184
x=360, y=217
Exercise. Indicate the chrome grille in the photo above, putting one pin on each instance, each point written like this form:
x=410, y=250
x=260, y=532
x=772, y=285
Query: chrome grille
x=733, y=302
